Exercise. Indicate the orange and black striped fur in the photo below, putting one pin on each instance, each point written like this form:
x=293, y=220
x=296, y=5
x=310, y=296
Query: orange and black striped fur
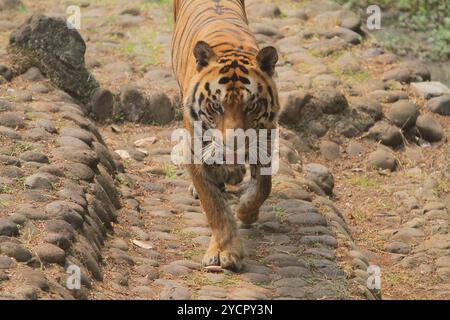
x=226, y=83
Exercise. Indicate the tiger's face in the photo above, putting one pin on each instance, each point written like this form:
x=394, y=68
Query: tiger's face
x=233, y=91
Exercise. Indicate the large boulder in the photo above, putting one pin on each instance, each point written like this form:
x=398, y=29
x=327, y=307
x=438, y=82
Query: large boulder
x=58, y=51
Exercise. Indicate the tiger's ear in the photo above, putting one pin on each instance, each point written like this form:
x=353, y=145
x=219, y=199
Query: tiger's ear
x=203, y=54
x=267, y=59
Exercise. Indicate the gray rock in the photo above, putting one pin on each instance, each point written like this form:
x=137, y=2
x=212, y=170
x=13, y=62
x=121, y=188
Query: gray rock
x=101, y=104
x=3, y=276
x=370, y=106
x=46, y=124
x=121, y=257
x=50, y=253
x=71, y=154
x=35, y=278
x=39, y=88
x=8, y=228
x=407, y=72
x=408, y=235
x=443, y=262
x=132, y=104
x=7, y=263
x=62, y=227
x=440, y=105
x=293, y=272
x=120, y=244
x=386, y=133
x=330, y=150
x=264, y=10
x=388, y=96
x=322, y=239
x=31, y=156
x=66, y=141
x=317, y=128
x=321, y=176
x=12, y=172
x=398, y=247
x=429, y=128
x=78, y=133
x=59, y=240
x=176, y=270
x=355, y=149
x=428, y=90
x=348, y=35
x=9, y=4
x=348, y=63
x=161, y=110
x=9, y=133
x=67, y=211
x=27, y=292
x=12, y=120
x=33, y=74
x=307, y=219
x=382, y=159
x=330, y=101
x=403, y=114
x=132, y=11
x=23, y=96
x=292, y=104
x=9, y=161
x=58, y=51
x=15, y=251
x=39, y=181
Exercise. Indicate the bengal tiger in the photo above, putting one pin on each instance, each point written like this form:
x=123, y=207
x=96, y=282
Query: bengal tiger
x=226, y=82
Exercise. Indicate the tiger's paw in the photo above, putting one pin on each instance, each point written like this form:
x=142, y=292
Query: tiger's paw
x=212, y=255
x=231, y=260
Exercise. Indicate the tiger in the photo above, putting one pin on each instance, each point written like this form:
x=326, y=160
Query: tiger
x=226, y=82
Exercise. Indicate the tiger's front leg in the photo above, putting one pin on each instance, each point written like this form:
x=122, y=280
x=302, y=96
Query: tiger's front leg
x=225, y=248
x=254, y=197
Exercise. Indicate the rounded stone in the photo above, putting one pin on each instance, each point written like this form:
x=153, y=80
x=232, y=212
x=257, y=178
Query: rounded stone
x=15, y=251
x=429, y=128
x=382, y=159
x=7, y=263
x=330, y=101
x=440, y=105
x=38, y=181
x=386, y=133
x=12, y=120
x=398, y=247
x=59, y=240
x=50, y=253
x=403, y=114
x=120, y=244
x=102, y=104
x=31, y=156
x=62, y=227
x=8, y=228
x=321, y=175
x=330, y=150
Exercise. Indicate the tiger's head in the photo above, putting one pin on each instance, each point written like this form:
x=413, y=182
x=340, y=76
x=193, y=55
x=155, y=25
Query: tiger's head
x=234, y=90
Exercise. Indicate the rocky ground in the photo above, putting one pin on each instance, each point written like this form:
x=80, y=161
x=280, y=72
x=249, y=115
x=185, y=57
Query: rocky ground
x=364, y=177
